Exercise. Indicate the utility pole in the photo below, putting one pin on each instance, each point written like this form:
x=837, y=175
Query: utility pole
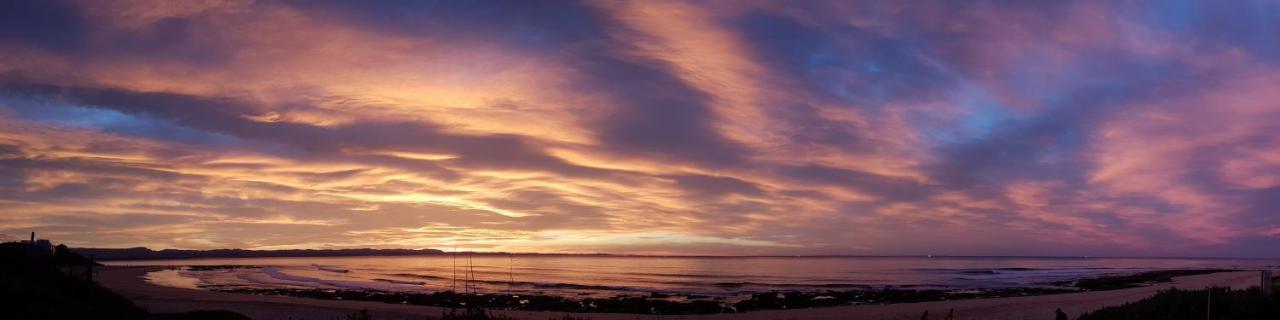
x=510, y=273
x=455, y=269
x=471, y=273
x=1208, y=310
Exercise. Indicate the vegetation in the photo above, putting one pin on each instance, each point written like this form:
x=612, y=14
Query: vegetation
x=481, y=314
x=1138, y=280
x=471, y=314
x=450, y=299
x=199, y=315
x=654, y=304
x=801, y=300
x=33, y=286
x=1177, y=304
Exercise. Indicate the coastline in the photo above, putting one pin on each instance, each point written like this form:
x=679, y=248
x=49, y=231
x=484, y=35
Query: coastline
x=128, y=282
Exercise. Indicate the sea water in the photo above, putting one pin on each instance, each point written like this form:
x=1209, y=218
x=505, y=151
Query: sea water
x=603, y=276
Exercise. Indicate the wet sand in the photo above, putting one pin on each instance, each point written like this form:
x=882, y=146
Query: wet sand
x=128, y=282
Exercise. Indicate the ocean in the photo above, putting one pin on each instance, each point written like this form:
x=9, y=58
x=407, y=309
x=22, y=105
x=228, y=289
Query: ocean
x=606, y=276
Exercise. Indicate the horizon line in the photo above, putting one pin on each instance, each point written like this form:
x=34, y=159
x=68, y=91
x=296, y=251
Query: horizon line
x=442, y=251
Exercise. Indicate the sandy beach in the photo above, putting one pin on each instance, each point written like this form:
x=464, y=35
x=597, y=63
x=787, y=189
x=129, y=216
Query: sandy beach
x=128, y=281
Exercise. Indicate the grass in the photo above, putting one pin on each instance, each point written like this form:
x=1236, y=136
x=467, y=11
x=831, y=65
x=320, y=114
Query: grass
x=1175, y=304
x=1138, y=280
x=481, y=314
x=450, y=299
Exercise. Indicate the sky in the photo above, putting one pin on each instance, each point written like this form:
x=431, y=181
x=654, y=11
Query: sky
x=1072, y=128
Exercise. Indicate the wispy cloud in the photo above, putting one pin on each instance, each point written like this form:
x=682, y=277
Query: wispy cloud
x=1087, y=128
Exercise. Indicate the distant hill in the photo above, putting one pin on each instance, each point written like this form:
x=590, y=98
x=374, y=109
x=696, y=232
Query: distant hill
x=148, y=254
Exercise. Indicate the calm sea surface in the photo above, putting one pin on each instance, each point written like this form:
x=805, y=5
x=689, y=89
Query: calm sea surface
x=608, y=276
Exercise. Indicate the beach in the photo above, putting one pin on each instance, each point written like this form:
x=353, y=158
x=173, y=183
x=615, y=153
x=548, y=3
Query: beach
x=728, y=278
x=129, y=282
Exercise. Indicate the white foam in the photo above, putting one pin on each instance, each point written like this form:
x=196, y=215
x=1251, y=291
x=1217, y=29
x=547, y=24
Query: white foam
x=173, y=278
x=276, y=273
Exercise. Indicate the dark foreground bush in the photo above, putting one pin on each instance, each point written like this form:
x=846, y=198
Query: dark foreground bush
x=1174, y=304
x=481, y=314
x=200, y=315
x=1138, y=280
x=32, y=287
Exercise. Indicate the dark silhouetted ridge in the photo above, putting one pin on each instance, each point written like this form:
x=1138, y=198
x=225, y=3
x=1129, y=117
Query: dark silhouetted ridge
x=148, y=254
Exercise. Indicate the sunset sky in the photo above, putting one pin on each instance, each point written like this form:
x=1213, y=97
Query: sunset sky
x=712, y=127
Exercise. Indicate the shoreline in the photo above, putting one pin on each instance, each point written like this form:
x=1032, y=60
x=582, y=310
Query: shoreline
x=128, y=281
x=683, y=303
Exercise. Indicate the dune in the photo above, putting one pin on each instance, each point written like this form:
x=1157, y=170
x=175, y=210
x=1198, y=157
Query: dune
x=129, y=282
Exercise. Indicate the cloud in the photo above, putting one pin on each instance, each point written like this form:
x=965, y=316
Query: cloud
x=49, y=25
x=980, y=127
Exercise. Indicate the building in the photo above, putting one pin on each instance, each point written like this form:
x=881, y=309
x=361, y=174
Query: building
x=39, y=246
